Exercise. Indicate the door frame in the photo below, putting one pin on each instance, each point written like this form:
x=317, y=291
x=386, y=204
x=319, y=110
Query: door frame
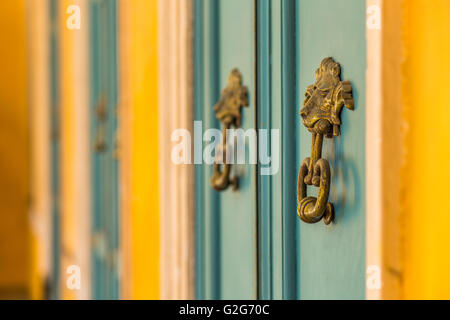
x=206, y=92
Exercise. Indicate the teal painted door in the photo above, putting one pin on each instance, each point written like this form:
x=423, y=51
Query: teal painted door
x=104, y=166
x=226, y=221
x=251, y=243
x=299, y=260
x=331, y=259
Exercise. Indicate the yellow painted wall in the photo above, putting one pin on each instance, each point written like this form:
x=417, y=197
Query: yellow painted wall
x=15, y=239
x=139, y=148
x=425, y=218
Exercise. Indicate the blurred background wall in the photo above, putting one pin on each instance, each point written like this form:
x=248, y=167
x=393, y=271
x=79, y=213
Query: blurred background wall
x=410, y=230
x=16, y=240
x=95, y=130
x=41, y=134
x=425, y=175
x=58, y=202
x=139, y=149
x=73, y=112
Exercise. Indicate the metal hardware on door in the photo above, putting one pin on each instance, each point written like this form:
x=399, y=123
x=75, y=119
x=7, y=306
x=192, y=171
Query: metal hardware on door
x=102, y=113
x=228, y=111
x=320, y=114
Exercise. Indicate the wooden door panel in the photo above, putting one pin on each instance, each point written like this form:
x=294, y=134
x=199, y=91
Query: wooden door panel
x=104, y=166
x=255, y=231
x=331, y=259
x=226, y=221
x=237, y=208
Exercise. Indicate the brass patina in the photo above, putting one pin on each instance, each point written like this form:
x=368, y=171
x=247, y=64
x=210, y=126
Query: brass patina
x=102, y=117
x=320, y=114
x=228, y=111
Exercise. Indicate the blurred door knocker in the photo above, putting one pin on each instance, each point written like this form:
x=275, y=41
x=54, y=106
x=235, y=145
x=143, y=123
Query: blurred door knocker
x=228, y=111
x=320, y=114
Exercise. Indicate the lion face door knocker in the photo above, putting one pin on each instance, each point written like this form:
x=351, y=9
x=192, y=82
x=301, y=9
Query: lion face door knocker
x=228, y=111
x=320, y=114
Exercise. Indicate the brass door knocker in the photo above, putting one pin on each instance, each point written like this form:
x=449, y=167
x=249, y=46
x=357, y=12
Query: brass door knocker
x=228, y=111
x=102, y=117
x=320, y=114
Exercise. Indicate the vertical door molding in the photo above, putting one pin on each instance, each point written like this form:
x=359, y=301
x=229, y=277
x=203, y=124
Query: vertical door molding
x=125, y=137
x=373, y=148
x=75, y=150
x=206, y=93
x=290, y=52
x=176, y=181
x=55, y=137
x=276, y=56
x=384, y=148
